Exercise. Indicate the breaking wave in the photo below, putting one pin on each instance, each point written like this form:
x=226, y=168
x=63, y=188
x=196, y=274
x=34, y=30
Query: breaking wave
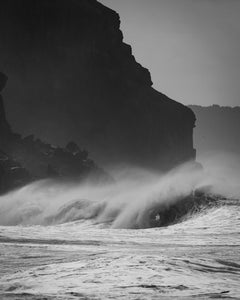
x=137, y=198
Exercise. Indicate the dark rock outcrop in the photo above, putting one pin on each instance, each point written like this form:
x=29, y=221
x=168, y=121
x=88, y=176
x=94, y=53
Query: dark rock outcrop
x=44, y=160
x=12, y=174
x=73, y=78
x=4, y=126
x=23, y=160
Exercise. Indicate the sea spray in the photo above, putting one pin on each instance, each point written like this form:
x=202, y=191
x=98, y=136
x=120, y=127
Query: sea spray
x=137, y=199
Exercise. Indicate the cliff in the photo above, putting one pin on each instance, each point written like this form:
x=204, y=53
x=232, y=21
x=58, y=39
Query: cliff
x=23, y=160
x=4, y=126
x=217, y=129
x=73, y=78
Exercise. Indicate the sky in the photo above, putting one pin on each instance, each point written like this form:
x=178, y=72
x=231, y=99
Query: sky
x=191, y=47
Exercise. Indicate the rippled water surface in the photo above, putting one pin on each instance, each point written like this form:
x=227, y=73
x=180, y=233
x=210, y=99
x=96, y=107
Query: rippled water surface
x=197, y=258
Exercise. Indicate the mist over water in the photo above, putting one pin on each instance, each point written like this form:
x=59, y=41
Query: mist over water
x=134, y=198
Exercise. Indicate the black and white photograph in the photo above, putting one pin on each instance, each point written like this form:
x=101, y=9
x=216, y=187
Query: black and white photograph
x=119, y=149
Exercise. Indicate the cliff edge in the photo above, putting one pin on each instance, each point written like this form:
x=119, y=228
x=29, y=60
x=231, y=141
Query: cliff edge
x=73, y=78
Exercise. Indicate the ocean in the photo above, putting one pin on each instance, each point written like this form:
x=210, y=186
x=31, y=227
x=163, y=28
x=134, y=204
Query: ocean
x=96, y=241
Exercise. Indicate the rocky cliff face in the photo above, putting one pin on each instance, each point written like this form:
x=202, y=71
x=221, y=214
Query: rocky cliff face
x=73, y=78
x=12, y=174
x=23, y=160
x=4, y=126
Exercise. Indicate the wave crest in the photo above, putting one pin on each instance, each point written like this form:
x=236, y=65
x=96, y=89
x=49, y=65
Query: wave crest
x=137, y=199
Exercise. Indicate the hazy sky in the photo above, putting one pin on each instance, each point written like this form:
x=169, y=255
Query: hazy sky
x=191, y=47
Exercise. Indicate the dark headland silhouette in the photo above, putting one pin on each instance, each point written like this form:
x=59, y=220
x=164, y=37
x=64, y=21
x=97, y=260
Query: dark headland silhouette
x=217, y=129
x=23, y=160
x=72, y=78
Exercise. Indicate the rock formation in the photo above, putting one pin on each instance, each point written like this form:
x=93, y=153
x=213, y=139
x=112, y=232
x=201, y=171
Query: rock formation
x=73, y=78
x=23, y=160
x=4, y=126
x=12, y=174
